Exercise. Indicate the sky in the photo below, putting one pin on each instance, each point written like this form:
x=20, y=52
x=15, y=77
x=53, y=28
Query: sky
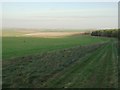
x=60, y=15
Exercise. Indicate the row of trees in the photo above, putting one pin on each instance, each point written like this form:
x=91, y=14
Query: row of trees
x=106, y=33
x=119, y=34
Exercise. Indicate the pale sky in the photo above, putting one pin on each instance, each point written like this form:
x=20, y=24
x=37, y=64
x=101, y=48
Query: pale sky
x=60, y=15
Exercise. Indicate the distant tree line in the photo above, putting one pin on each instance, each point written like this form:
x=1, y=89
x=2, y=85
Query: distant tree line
x=106, y=33
x=118, y=34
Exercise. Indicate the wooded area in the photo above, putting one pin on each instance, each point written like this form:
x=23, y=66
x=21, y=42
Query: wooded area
x=106, y=33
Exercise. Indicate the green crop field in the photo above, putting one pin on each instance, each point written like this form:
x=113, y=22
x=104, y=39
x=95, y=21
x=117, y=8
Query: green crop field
x=96, y=70
x=59, y=45
x=20, y=46
x=78, y=61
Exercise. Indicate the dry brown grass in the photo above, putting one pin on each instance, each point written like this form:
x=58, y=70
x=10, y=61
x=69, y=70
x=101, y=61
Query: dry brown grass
x=38, y=33
x=52, y=34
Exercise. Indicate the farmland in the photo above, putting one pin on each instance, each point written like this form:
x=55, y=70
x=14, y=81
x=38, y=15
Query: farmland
x=74, y=61
x=54, y=45
x=15, y=45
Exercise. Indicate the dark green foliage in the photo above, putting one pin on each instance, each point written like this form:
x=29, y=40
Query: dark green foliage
x=106, y=33
x=119, y=34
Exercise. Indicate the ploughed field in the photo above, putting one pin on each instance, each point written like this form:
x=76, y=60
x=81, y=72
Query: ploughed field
x=77, y=61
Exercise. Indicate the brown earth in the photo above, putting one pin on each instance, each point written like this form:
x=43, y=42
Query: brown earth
x=52, y=34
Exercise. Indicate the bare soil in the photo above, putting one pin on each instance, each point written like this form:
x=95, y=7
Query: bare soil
x=52, y=34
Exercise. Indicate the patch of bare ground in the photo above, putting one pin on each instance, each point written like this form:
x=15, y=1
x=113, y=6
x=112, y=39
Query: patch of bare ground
x=52, y=34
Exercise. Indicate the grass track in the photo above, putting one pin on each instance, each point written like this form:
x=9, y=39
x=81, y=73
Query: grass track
x=97, y=70
x=67, y=68
x=86, y=66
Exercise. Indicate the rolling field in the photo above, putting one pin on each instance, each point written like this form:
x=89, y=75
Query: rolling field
x=96, y=70
x=69, y=68
x=20, y=46
x=78, y=61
